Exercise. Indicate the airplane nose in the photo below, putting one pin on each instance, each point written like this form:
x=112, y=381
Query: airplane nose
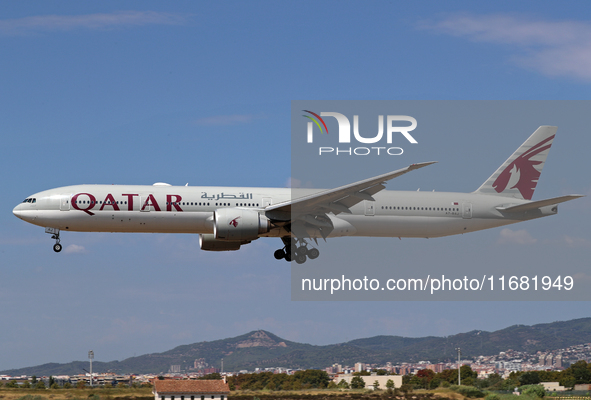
x=18, y=212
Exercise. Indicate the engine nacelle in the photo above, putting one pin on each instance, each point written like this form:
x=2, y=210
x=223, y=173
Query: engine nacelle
x=210, y=243
x=237, y=224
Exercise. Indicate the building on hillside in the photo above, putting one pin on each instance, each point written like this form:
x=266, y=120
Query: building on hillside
x=190, y=390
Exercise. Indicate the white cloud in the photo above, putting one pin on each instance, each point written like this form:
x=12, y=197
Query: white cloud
x=74, y=248
x=576, y=241
x=234, y=119
x=293, y=183
x=516, y=237
x=39, y=23
x=554, y=48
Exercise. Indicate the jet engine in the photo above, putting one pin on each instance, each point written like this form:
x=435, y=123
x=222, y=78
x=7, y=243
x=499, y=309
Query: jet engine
x=235, y=224
x=210, y=243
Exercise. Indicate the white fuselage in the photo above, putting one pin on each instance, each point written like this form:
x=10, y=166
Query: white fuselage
x=184, y=209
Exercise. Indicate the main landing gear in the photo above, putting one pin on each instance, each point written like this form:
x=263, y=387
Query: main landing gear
x=55, y=234
x=296, y=249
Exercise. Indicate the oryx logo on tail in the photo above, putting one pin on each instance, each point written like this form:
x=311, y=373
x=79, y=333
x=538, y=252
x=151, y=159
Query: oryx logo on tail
x=522, y=173
x=519, y=174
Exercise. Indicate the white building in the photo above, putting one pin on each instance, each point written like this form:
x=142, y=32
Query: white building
x=553, y=387
x=190, y=390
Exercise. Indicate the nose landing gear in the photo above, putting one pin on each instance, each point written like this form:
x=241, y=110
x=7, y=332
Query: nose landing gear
x=55, y=234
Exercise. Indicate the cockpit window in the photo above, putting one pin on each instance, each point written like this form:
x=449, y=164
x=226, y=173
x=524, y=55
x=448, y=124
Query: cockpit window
x=30, y=200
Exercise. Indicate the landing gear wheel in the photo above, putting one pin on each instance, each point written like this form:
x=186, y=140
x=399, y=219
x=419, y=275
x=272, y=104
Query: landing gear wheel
x=279, y=254
x=287, y=256
x=300, y=259
x=57, y=247
x=302, y=250
x=313, y=253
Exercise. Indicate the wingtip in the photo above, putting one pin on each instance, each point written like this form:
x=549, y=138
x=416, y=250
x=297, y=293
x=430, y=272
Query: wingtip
x=423, y=164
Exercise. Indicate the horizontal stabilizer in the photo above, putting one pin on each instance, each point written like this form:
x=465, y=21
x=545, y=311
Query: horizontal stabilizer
x=540, y=203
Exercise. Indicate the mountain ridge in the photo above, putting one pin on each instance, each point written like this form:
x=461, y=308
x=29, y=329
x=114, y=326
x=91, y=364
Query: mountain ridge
x=264, y=349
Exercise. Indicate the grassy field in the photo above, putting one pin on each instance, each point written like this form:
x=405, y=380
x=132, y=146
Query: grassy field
x=146, y=394
x=78, y=394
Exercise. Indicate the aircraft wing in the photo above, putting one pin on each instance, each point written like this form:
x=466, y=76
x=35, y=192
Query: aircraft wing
x=340, y=199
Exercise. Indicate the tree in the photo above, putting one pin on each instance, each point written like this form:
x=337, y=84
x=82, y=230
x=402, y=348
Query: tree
x=434, y=384
x=33, y=380
x=529, y=378
x=343, y=384
x=376, y=385
x=215, y=376
x=67, y=385
x=312, y=377
x=40, y=385
x=332, y=385
x=80, y=384
x=467, y=375
x=580, y=372
x=406, y=388
x=26, y=385
x=357, y=383
x=390, y=384
x=12, y=384
x=54, y=385
x=533, y=390
x=568, y=381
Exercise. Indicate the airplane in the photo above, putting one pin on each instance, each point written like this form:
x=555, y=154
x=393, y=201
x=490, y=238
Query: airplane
x=228, y=217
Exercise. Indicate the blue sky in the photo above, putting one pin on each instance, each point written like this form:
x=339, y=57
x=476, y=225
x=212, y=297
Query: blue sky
x=199, y=93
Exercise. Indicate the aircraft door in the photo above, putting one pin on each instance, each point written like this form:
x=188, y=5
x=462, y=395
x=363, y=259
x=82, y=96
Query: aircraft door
x=267, y=201
x=65, y=202
x=370, y=207
x=466, y=210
